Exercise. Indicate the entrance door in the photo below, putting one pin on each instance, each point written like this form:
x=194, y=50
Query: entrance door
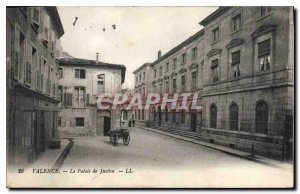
x=159, y=116
x=106, y=126
x=193, y=121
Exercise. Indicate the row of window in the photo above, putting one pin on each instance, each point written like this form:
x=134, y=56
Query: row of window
x=263, y=51
x=236, y=23
x=139, y=78
x=78, y=99
x=31, y=67
x=141, y=91
x=139, y=114
x=263, y=57
x=157, y=115
x=49, y=37
x=74, y=122
x=261, y=117
x=174, y=62
x=183, y=87
x=78, y=73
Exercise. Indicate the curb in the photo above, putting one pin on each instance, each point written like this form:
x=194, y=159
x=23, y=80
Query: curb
x=245, y=155
x=59, y=162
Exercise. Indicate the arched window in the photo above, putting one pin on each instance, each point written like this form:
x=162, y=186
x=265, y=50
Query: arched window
x=182, y=117
x=213, y=116
x=234, y=116
x=166, y=114
x=261, y=117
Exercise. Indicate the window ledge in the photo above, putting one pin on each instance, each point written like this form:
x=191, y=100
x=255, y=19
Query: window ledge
x=263, y=72
x=215, y=42
x=236, y=31
x=263, y=17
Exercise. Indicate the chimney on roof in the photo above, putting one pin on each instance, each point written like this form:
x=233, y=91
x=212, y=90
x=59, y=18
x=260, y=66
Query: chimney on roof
x=97, y=57
x=159, y=54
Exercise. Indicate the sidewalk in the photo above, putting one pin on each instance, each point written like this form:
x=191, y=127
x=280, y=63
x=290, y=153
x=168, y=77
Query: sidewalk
x=227, y=150
x=49, y=157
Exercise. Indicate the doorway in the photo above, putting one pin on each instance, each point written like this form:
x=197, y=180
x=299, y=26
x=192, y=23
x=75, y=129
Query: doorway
x=193, y=121
x=106, y=126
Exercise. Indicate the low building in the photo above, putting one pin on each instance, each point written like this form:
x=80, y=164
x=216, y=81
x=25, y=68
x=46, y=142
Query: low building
x=81, y=81
x=33, y=45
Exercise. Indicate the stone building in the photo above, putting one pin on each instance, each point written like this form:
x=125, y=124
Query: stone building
x=178, y=71
x=248, y=78
x=242, y=66
x=142, y=85
x=32, y=47
x=81, y=81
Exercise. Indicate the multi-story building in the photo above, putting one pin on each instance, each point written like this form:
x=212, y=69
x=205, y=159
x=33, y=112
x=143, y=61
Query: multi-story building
x=178, y=71
x=248, y=78
x=81, y=81
x=142, y=86
x=32, y=74
x=242, y=66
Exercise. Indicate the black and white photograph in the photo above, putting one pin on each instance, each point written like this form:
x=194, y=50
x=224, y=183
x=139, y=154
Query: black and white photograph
x=150, y=97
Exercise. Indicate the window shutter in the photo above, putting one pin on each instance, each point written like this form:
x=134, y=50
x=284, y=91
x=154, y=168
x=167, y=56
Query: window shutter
x=46, y=27
x=235, y=57
x=87, y=99
x=65, y=99
x=86, y=122
x=264, y=48
x=82, y=74
x=17, y=52
x=69, y=99
x=72, y=121
x=36, y=15
x=77, y=73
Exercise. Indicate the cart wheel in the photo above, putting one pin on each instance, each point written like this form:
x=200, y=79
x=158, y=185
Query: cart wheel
x=115, y=140
x=126, y=140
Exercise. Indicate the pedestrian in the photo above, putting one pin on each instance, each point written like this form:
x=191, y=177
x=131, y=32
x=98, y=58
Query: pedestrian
x=133, y=122
x=129, y=123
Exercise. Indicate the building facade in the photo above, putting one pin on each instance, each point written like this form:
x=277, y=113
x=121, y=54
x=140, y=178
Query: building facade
x=178, y=71
x=248, y=79
x=142, y=86
x=32, y=80
x=81, y=81
x=242, y=67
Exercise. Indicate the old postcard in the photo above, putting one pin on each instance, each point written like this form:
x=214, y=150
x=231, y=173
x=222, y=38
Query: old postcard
x=150, y=97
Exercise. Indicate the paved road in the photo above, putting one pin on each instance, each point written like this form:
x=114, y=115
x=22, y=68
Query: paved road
x=168, y=161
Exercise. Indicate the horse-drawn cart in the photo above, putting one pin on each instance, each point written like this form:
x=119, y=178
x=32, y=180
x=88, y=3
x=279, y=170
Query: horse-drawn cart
x=115, y=135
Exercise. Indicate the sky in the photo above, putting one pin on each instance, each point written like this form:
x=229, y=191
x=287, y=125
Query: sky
x=140, y=33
